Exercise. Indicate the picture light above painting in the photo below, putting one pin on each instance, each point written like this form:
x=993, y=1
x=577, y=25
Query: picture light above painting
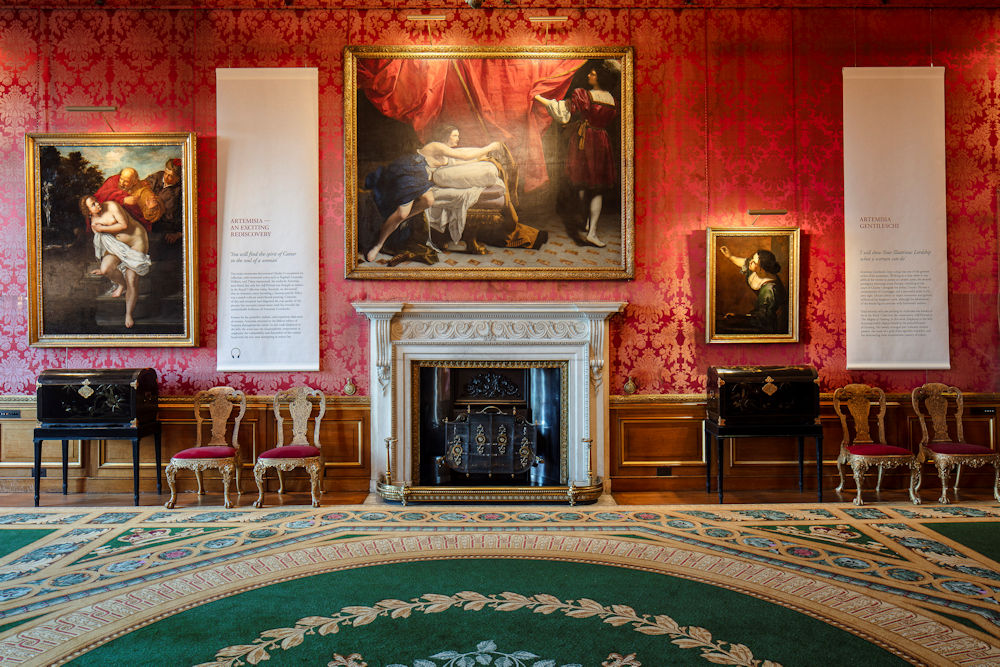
x=112, y=240
x=488, y=163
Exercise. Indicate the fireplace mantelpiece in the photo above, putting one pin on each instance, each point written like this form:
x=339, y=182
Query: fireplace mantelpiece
x=404, y=333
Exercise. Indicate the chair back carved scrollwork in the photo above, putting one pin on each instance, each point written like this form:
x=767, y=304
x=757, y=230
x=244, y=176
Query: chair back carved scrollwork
x=862, y=451
x=221, y=401
x=217, y=453
x=300, y=408
x=939, y=404
x=299, y=403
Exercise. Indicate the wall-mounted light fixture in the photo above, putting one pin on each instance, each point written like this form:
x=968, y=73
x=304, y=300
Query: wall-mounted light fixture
x=93, y=109
x=548, y=19
x=426, y=20
x=757, y=212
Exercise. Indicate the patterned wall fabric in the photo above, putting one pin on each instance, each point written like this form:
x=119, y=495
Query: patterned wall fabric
x=735, y=109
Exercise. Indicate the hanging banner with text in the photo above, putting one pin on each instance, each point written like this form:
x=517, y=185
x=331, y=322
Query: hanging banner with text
x=268, y=165
x=895, y=228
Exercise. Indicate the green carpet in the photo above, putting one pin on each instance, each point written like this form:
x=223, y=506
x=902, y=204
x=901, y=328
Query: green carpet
x=983, y=538
x=12, y=540
x=381, y=586
x=562, y=634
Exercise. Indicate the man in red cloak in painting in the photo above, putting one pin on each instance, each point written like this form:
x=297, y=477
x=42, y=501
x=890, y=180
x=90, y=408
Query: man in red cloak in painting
x=134, y=195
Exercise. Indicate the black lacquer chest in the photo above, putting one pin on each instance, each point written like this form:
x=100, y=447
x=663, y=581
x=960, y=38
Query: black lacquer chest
x=93, y=397
x=763, y=395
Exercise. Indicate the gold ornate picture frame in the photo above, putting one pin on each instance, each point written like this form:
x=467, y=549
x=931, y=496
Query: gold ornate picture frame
x=753, y=285
x=112, y=240
x=488, y=163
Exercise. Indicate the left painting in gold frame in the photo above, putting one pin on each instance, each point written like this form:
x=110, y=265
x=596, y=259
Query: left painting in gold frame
x=112, y=240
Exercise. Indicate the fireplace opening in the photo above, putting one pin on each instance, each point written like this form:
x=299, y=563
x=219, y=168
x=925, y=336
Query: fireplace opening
x=489, y=423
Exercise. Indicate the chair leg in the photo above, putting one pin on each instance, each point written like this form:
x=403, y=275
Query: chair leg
x=171, y=472
x=859, y=476
x=197, y=476
x=915, y=479
x=840, y=471
x=878, y=483
x=281, y=483
x=942, y=469
x=236, y=471
x=227, y=476
x=958, y=473
x=314, y=486
x=258, y=474
x=996, y=480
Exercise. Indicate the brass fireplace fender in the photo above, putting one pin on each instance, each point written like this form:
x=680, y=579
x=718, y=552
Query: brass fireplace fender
x=572, y=494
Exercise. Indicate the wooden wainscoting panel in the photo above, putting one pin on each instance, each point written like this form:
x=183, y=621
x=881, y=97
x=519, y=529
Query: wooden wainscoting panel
x=768, y=451
x=656, y=443
x=17, y=452
x=17, y=448
x=114, y=456
x=344, y=436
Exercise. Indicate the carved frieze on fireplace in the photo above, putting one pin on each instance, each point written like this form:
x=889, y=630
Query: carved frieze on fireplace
x=554, y=354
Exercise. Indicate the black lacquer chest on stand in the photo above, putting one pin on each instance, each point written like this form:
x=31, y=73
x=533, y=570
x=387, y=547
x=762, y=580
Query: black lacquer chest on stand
x=762, y=402
x=102, y=404
x=763, y=395
x=117, y=396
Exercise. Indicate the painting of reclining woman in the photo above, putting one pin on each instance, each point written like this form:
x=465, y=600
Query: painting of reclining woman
x=111, y=240
x=481, y=164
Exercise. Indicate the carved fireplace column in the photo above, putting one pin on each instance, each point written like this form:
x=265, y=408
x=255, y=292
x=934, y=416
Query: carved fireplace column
x=380, y=379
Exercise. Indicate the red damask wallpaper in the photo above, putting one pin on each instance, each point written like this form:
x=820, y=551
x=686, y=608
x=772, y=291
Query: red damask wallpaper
x=735, y=109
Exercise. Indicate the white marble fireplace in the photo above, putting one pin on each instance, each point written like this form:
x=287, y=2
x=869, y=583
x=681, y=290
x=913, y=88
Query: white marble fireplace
x=572, y=335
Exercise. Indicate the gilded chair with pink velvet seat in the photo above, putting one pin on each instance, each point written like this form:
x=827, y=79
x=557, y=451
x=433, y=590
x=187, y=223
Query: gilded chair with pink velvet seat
x=216, y=453
x=861, y=451
x=938, y=402
x=299, y=403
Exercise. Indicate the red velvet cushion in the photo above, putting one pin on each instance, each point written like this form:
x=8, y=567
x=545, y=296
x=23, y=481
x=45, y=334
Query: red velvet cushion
x=214, y=452
x=958, y=448
x=878, y=450
x=290, y=452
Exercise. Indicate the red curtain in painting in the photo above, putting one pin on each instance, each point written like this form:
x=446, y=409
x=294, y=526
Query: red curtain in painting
x=488, y=98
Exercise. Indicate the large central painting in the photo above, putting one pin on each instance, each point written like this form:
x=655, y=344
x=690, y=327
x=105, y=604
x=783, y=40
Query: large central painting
x=473, y=163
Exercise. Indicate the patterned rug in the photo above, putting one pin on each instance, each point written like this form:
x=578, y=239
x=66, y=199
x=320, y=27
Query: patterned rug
x=542, y=587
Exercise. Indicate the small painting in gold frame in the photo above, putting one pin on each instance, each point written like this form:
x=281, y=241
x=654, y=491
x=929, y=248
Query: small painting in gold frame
x=753, y=285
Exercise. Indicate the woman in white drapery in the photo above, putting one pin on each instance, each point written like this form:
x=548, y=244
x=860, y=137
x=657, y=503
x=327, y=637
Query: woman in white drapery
x=414, y=184
x=458, y=184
